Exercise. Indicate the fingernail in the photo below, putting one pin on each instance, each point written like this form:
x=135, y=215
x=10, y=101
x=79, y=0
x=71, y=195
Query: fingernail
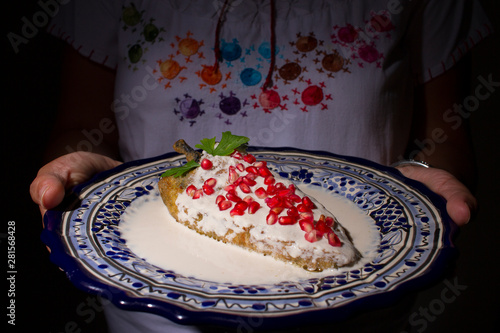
x=45, y=189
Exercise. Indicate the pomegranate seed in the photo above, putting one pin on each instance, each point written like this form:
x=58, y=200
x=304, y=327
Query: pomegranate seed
x=260, y=164
x=225, y=204
x=206, y=164
x=307, y=216
x=330, y=222
x=252, y=169
x=248, y=181
x=308, y=202
x=277, y=209
x=219, y=199
x=237, y=155
x=264, y=172
x=251, y=176
x=274, y=201
x=248, y=199
x=233, y=197
x=235, y=212
x=288, y=203
x=233, y=175
x=208, y=189
x=190, y=190
x=295, y=198
x=306, y=225
x=198, y=194
x=286, y=220
x=253, y=207
x=245, y=188
x=230, y=188
x=210, y=182
x=302, y=208
x=283, y=193
x=269, y=180
x=322, y=228
x=242, y=205
x=240, y=167
x=271, y=189
x=280, y=186
x=292, y=211
x=333, y=239
x=312, y=236
x=291, y=187
x=261, y=193
x=249, y=158
x=271, y=218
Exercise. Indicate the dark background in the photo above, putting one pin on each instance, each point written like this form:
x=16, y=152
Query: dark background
x=47, y=302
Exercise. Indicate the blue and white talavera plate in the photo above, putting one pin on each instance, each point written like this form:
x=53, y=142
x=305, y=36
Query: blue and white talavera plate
x=415, y=243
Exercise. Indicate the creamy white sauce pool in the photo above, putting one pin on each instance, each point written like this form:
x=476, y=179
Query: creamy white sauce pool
x=151, y=233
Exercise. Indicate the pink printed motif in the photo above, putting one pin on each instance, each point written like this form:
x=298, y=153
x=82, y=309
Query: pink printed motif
x=360, y=44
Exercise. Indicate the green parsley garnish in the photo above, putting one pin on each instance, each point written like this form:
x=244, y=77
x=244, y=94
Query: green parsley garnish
x=226, y=146
x=179, y=171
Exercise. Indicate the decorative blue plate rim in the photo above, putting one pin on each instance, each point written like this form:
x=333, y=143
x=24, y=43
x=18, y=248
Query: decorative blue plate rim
x=123, y=297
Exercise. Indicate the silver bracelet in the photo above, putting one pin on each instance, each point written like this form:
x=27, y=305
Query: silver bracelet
x=411, y=162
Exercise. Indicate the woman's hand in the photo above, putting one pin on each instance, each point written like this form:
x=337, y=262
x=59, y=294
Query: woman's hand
x=460, y=205
x=53, y=179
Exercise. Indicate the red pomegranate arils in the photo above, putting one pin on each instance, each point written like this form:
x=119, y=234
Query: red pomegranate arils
x=233, y=197
x=292, y=211
x=279, y=186
x=208, y=189
x=253, y=207
x=240, y=167
x=271, y=218
x=260, y=164
x=230, y=188
x=233, y=175
x=237, y=155
x=286, y=220
x=225, y=204
x=219, y=199
x=242, y=205
x=210, y=182
x=274, y=201
x=333, y=239
x=249, y=158
x=235, y=212
x=322, y=228
x=306, y=225
x=269, y=180
x=307, y=216
x=330, y=222
x=271, y=189
x=248, y=181
x=303, y=208
x=264, y=172
x=252, y=169
x=206, y=164
x=190, y=190
x=308, y=202
x=248, y=199
x=295, y=198
x=261, y=193
x=198, y=194
x=312, y=236
x=277, y=209
x=245, y=188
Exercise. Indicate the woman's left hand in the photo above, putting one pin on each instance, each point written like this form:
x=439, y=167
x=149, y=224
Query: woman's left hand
x=461, y=204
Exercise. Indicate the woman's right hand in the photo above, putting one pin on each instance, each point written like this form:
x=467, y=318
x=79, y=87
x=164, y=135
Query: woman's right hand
x=53, y=179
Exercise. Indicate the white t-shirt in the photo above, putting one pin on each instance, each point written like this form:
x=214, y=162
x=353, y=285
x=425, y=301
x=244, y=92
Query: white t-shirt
x=342, y=82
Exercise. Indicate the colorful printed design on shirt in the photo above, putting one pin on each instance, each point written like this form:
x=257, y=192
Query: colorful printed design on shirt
x=146, y=30
x=360, y=44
